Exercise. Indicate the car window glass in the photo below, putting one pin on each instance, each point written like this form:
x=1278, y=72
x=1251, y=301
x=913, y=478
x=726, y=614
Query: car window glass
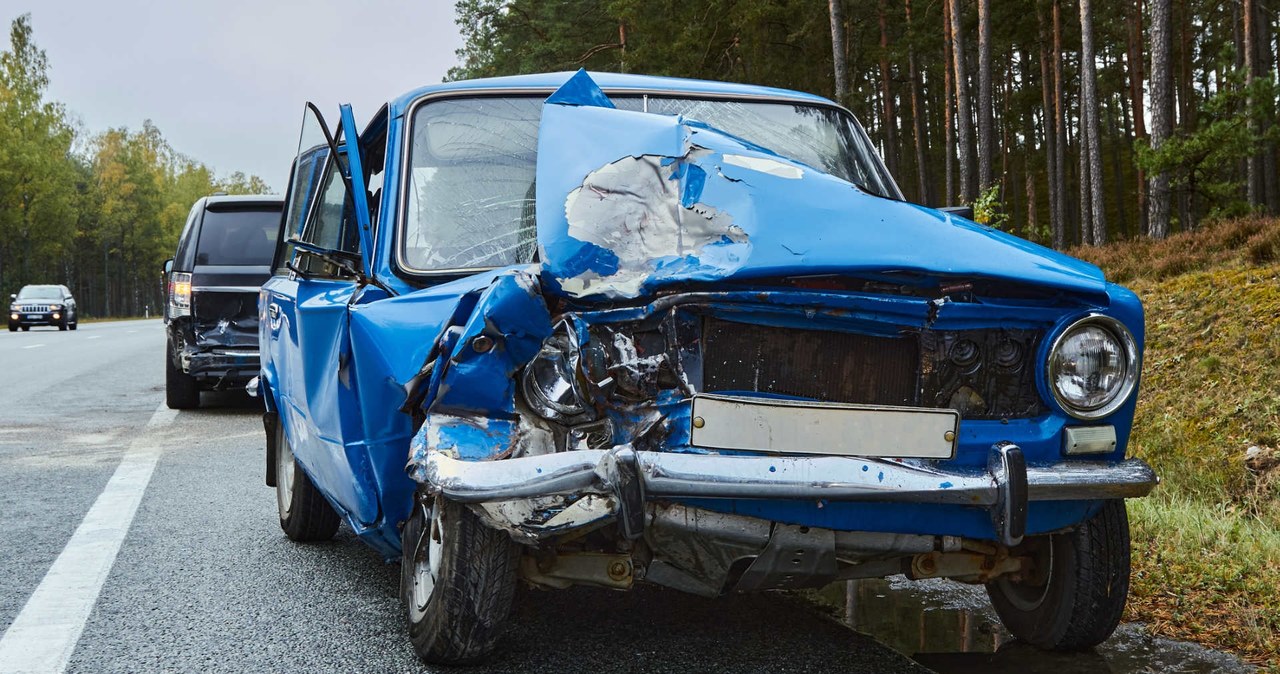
x=39, y=293
x=469, y=198
x=313, y=150
x=238, y=237
x=470, y=184
x=821, y=137
x=332, y=224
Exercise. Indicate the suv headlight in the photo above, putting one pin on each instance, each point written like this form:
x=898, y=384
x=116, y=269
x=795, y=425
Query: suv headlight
x=1093, y=367
x=550, y=380
x=179, y=294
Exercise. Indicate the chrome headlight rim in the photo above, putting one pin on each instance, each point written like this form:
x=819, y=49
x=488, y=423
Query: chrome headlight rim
x=1128, y=384
x=562, y=344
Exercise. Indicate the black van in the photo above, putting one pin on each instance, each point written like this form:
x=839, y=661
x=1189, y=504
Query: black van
x=223, y=258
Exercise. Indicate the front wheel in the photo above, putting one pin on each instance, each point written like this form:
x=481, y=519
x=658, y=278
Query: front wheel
x=458, y=579
x=13, y=327
x=1075, y=592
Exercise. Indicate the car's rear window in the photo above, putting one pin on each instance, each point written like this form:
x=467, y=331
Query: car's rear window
x=239, y=237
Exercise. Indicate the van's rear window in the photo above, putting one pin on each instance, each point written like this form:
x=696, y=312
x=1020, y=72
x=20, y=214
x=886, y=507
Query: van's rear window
x=244, y=237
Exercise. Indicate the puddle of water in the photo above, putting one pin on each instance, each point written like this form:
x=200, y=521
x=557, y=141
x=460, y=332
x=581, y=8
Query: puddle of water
x=951, y=629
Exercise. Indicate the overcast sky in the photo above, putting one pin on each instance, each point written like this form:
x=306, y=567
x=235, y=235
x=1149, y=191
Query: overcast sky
x=226, y=80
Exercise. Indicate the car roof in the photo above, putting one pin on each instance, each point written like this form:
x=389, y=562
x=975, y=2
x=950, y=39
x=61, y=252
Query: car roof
x=267, y=199
x=609, y=82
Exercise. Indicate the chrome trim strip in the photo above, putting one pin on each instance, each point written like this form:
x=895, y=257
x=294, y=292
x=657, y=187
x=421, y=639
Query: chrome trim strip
x=667, y=474
x=225, y=289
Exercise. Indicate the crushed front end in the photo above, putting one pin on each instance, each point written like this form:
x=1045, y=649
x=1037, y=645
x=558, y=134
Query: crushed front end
x=732, y=371
x=703, y=437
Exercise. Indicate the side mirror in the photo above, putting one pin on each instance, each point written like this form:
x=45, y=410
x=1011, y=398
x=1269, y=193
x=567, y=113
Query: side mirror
x=965, y=212
x=167, y=266
x=13, y=296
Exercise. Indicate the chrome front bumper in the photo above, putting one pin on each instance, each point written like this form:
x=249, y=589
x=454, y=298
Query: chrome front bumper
x=1005, y=487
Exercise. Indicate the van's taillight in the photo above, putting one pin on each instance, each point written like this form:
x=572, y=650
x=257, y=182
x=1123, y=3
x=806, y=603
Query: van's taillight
x=179, y=294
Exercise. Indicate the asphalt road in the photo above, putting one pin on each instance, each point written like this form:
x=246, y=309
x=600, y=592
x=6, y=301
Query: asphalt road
x=204, y=580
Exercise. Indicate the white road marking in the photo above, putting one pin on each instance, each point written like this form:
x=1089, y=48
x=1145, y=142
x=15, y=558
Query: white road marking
x=95, y=337
x=33, y=346
x=44, y=635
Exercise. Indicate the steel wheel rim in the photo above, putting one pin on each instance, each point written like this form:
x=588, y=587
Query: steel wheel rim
x=426, y=562
x=285, y=476
x=1025, y=597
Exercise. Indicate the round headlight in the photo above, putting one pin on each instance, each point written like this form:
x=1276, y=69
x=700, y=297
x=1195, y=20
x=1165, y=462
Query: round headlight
x=1093, y=367
x=550, y=380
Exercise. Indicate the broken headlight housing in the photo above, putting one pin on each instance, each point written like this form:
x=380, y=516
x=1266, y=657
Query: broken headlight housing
x=550, y=380
x=1093, y=367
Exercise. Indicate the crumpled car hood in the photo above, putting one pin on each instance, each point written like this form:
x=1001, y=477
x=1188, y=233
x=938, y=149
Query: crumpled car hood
x=629, y=202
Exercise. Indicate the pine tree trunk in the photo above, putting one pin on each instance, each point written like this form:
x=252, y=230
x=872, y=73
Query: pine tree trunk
x=841, y=71
x=1086, y=205
x=1250, y=70
x=1059, y=130
x=1089, y=117
x=963, y=113
x=948, y=106
x=1161, y=112
x=1053, y=183
x=890, y=132
x=985, y=122
x=1270, y=186
x=1134, y=67
x=917, y=116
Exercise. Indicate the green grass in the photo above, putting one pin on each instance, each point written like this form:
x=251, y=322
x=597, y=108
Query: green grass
x=1207, y=541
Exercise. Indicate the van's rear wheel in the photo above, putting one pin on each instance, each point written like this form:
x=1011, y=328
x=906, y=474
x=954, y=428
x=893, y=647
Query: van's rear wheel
x=1075, y=593
x=181, y=390
x=458, y=581
x=304, y=514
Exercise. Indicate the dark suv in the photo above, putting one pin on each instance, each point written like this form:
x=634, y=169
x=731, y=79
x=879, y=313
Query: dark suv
x=223, y=257
x=43, y=305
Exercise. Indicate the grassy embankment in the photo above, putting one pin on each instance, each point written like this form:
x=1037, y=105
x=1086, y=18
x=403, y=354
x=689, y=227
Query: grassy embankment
x=1207, y=541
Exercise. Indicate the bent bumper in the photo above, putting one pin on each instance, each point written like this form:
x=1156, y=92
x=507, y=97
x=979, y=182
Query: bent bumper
x=1004, y=487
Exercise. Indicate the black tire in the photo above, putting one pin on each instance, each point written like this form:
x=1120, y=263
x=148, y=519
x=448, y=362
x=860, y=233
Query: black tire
x=63, y=325
x=13, y=327
x=1078, y=588
x=461, y=619
x=75, y=324
x=181, y=390
x=305, y=515
x=26, y=328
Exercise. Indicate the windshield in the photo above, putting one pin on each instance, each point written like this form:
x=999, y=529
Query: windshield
x=40, y=293
x=238, y=237
x=472, y=162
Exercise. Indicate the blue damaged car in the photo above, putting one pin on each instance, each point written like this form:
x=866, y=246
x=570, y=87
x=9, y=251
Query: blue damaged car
x=609, y=329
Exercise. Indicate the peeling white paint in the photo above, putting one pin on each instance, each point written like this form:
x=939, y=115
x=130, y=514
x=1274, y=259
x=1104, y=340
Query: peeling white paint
x=772, y=167
x=633, y=208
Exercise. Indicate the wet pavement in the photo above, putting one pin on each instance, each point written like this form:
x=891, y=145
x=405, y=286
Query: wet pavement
x=950, y=628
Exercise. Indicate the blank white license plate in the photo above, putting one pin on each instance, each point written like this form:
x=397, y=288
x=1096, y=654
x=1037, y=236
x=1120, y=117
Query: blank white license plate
x=32, y=317
x=835, y=429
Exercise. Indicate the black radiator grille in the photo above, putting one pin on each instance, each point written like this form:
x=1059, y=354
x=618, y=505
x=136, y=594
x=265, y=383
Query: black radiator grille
x=816, y=364
x=984, y=374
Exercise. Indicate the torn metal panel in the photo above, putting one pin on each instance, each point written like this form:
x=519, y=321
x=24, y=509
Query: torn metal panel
x=504, y=331
x=774, y=216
